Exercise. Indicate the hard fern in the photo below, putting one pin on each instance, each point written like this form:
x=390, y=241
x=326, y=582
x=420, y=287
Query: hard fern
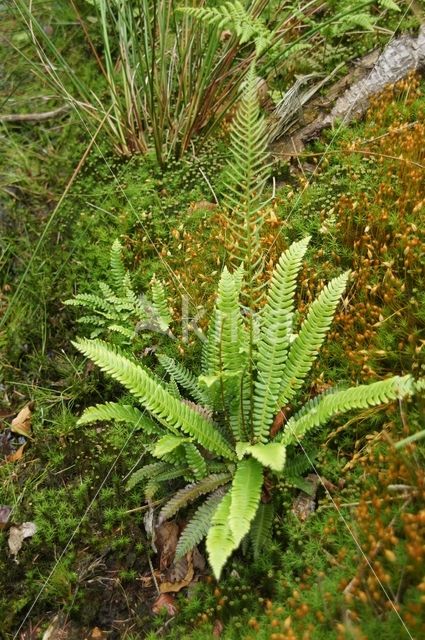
x=118, y=310
x=234, y=17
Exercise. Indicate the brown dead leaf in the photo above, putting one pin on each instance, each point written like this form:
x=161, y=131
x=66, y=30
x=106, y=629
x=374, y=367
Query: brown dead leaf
x=279, y=422
x=180, y=575
x=166, y=537
x=165, y=601
x=5, y=512
x=17, y=535
x=17, y=455
x=22, y=423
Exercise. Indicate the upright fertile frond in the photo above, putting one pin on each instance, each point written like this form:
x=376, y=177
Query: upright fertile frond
x=220, y=542
x=313, y=331
x=322, y=408
x=119, y=413
x=183, y=376
x=154, y=396
x=245, y=180
x=261, y=529
x=117, y=266
x=198, y=525
x=191, y=492
x=245, y=497
x=276, y=331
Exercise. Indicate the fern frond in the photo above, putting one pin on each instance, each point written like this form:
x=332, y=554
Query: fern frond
x=197, y=527
x=234, y=16
x=123, y=331
x=245, y=181
x=119, y=413
x=298, y=463
x=160, y=305
x=191, y=492
x=276, y=331
x=313, y=331
x=93, y=320
x=117, y=267
x=171, y=473
x=245, y=496
x=322, y=408
x=173, y=413
x=389, y=4
x=166, y=444
x=148, y=471
x=195, y=460
x=269, y=455
x=89, y=300
x=172, y=387
x=261, y=529
x=220, y=542
x=183, y=376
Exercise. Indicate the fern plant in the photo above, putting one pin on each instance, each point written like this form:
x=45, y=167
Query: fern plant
x=212, y=430
x=218, y=438
x=117, y=310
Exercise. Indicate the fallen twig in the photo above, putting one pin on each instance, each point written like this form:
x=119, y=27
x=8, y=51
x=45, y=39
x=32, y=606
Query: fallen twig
x=34, y=117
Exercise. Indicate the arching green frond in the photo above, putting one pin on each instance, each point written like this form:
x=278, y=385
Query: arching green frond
x=276, y=330
x=120, y=413
x=166, y=444
x=261, y=528
x=154, y=397
x=322, y=408
x=93, y=320
x=123, y=331
x=148, y=471
x=245, y=496
x=220, y=542
x=191, y=492
x=269, y=455
x=313, y=331
x=154, y=482
x=89, y=300
x=183, y=376
x=117, y=266
x=195, y=460
x=172, y=387
x=197, y=527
